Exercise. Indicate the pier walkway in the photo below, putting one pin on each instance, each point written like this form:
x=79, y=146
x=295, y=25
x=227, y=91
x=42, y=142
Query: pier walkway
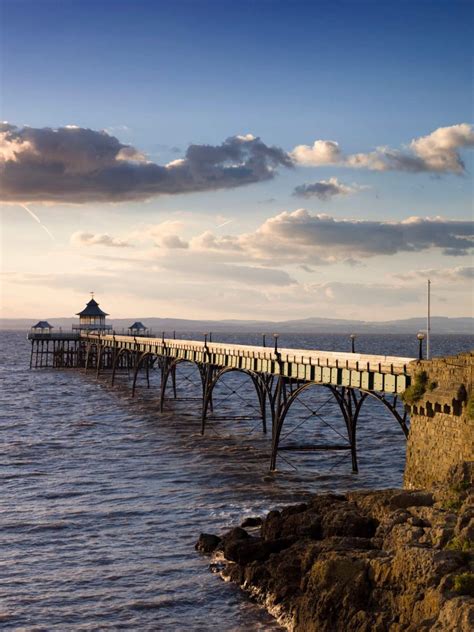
x=279, y=375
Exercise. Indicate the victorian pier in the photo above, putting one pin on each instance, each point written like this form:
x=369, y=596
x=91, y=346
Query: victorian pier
x=277, y=375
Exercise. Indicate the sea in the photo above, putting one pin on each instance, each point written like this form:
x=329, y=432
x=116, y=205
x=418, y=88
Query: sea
x=103, y=497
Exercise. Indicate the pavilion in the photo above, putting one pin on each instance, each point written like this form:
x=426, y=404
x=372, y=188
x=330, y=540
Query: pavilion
x=92, y=318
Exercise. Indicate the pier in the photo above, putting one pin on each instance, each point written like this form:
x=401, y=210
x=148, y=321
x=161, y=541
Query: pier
x=278, y=375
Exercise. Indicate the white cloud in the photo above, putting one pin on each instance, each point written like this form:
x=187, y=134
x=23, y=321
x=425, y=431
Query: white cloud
x=438, y=152
x=321, y=152
x=83, y=238
x=303, y=238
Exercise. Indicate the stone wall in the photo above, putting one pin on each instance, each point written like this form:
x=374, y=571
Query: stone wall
x=441, y=428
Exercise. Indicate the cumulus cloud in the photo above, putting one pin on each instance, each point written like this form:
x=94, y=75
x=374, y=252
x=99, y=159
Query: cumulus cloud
x=82, y=238
x=73, y=164
x=438, y=152
x=301, y=237
x=322, y=152
x=325, y=189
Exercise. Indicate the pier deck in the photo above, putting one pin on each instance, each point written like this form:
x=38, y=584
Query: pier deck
x=279, y=375
x=380, y=373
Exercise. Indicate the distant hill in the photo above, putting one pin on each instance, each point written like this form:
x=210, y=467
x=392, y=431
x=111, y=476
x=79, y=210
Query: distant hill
x=440, y=325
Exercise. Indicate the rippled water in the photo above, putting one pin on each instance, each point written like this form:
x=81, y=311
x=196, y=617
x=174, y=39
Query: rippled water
x=103, y=498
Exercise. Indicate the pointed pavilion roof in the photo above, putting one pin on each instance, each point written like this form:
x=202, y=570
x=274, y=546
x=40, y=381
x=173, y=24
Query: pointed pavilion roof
x=92, y=309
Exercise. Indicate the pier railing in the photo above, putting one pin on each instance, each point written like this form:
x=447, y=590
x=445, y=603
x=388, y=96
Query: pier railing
x=356, y=370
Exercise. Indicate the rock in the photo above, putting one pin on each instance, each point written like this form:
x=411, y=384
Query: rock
x=237, y=533
x=207, y=543
x=235, y=537
x=365, y=561
x=348, y=522
x=251, y=522
x=252, y=549
x=291, y=510
x=272, y=524
x=335, y=583
x=406, y=499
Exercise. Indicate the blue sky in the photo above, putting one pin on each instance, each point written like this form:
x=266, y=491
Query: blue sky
x=160, y=76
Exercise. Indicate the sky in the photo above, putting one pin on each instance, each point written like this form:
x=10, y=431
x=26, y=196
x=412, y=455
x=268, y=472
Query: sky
x=260, y=159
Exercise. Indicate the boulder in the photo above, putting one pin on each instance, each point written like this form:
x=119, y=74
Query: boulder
x=207, y=543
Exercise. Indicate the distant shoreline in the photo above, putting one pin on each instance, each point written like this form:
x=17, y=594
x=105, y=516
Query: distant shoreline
x=308, y=326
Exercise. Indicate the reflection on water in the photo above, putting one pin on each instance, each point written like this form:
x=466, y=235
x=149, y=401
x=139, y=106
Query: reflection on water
x=103, y=498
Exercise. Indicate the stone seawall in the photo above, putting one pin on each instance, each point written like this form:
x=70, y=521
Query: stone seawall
x=441, y=419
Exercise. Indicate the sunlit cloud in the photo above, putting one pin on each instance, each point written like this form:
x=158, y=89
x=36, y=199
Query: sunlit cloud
x=78, y=165
x=438, y=152
x=301, y=237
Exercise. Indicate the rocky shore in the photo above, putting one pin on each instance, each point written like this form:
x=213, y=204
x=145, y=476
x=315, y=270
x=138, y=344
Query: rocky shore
x=378, y=561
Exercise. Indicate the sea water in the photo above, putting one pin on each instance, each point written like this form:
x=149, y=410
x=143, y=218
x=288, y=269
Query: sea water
x=103, y=498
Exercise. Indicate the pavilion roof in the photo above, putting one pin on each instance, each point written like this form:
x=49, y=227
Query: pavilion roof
x=137, y=325
x=92, y=309
x=42, y=324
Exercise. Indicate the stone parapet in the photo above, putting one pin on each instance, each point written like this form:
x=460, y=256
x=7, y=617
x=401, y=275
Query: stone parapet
x=441, y=420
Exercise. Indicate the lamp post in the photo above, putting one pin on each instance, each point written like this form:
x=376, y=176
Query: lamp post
x=163, y=337
x=275, y=336
x=353, y=337
x=210, y=336
x=174, y=334
x=264, y=340
x=205, y=340
x=421, y=336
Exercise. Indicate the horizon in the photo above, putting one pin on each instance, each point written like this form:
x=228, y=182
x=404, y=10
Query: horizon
x=205, y=169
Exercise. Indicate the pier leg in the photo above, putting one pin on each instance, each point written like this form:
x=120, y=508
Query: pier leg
x=173, y=380
x=100, y=354
x=165, y=371
x=278, y=417
x=350, y=404
x=207, y=379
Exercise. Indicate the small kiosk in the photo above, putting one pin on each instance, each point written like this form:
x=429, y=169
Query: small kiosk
x=41, y=327
x=138, y=329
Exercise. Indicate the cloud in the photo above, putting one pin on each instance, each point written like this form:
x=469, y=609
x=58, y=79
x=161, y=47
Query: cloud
x=325, y=189
x=164, y=235
x=82, y=238
x=322, y=152
x=386, y=295
x=73, y=164
x=438, y=152
x=458, y=274
x=173, y=241
x=300, y=237
x=228, y=272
